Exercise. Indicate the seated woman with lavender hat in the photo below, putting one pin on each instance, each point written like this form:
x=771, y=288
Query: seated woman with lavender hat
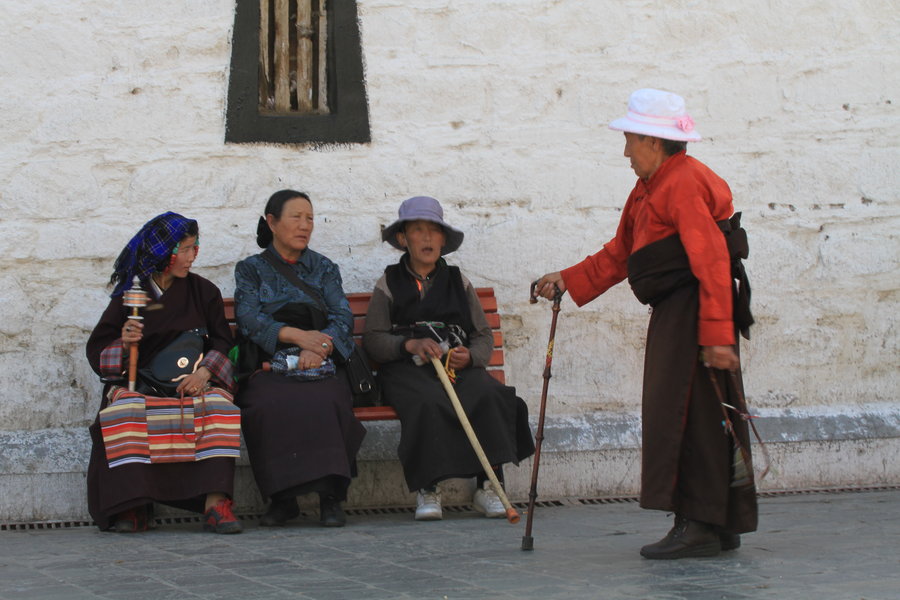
x=423, y=308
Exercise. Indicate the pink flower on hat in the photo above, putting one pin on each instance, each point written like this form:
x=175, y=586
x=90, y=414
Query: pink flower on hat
x=685, y=123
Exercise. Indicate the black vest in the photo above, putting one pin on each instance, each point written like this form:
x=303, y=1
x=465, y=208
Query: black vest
x=445, y=300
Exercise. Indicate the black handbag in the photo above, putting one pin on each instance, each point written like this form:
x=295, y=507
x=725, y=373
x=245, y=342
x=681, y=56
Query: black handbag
x=356, y=367
x=161, y=376
x=362, y=382
x=246, y=356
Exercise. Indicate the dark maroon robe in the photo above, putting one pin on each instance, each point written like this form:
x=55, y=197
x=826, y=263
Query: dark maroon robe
x=686, y=464
x=189, y=303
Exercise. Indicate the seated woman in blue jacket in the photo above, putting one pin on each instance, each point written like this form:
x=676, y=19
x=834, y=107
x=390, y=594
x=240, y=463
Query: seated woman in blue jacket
x=302, y=436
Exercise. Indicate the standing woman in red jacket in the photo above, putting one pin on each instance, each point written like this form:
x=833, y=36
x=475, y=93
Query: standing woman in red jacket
x=679, y=243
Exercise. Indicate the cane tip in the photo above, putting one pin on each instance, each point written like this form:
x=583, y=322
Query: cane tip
x=527, y=542
x=511, y=515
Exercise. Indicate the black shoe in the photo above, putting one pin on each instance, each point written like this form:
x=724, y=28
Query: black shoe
x=687, y=539
x=729, y=541
x=280, y=511
x=330, y=512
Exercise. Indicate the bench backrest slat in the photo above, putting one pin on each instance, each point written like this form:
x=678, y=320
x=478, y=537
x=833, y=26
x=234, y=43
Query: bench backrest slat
x=359, y=306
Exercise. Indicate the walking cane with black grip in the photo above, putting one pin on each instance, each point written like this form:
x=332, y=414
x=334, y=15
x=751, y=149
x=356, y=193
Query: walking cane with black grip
x=511, y=515
x=527, y=540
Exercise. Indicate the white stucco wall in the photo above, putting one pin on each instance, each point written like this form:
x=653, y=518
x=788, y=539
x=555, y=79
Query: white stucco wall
x=111, y=112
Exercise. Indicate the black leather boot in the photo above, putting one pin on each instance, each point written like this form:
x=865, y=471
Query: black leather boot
x=280, y=511
x=687, y=539
x=330, y=512
x=729, y=541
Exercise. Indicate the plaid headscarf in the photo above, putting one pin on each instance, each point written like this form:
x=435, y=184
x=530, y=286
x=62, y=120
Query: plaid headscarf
x=149, y=250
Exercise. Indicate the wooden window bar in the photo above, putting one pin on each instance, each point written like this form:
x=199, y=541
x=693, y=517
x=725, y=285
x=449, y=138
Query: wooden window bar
x=293, y=71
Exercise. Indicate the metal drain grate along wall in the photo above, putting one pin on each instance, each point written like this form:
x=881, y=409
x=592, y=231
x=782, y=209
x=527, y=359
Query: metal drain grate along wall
x=460, y=508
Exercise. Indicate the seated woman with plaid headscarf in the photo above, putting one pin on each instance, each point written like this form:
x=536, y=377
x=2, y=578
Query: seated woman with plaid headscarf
x=135, y=468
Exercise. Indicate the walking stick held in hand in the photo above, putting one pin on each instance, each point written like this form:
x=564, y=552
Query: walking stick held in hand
x=527, y=540
x=511, y=515
x=136, y=299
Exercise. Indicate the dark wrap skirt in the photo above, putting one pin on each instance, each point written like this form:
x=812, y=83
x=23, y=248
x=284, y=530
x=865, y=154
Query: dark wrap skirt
x=433, y=445
x=686, y=454
x=301, y=436
x=298, y=432
x=182, y=485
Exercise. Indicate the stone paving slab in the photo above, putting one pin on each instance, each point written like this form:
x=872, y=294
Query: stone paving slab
x=822, y=546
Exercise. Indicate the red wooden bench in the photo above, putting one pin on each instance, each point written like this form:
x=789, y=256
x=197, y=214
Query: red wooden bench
x=359, y=305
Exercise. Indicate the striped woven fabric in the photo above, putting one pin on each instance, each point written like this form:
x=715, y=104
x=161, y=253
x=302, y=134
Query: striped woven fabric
x=124, y=427
x=171, y=430
x=148, y=429
x=217, y=423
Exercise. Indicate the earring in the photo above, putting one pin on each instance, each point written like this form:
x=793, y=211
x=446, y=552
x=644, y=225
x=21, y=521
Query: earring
x=172, y=259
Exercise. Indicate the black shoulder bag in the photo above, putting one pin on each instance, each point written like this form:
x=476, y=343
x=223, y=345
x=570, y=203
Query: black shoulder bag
x=357, y=367
x=161, y=376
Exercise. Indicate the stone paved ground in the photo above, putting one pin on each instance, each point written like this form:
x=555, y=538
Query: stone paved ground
x=811, y=546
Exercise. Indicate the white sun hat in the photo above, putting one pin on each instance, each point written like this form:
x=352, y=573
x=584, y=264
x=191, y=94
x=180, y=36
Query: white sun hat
x=658, y=114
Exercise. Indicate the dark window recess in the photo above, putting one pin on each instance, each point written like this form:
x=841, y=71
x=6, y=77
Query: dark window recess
x=296, y=73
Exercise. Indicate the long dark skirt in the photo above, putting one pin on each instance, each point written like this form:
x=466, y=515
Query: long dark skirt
x=433, y=445
x=182, y=485
x=687, y=456
x=299, y=432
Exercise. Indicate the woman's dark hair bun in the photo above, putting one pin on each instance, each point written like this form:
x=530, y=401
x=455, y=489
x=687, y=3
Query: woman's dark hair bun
x=263, y=233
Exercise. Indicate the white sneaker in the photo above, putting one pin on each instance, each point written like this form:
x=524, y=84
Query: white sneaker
x=428, y=505
x=487, y=502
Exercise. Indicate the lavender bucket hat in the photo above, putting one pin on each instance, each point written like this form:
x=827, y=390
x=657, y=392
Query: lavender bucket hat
x=422, y=208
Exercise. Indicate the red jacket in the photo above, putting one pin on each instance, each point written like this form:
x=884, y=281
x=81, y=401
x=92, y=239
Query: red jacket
x=685, y=197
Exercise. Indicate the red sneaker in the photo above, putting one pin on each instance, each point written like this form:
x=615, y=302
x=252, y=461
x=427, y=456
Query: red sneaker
x=220, y=519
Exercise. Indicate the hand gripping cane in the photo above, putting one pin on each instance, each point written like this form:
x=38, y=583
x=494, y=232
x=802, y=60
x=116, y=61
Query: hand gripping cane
x=527, y=540
x=511, y=515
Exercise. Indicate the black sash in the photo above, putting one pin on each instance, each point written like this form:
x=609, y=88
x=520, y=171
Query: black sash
x=660, y=268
